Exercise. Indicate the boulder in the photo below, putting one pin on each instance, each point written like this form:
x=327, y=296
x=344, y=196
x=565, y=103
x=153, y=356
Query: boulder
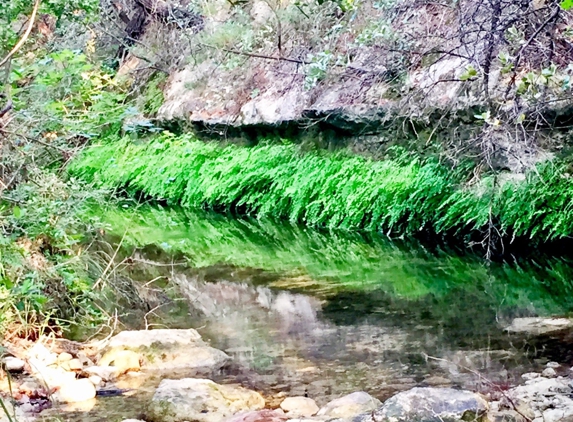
x=167, y=350
x=539, y=326
x=200, y=400
x=299, y=406
x=429, y=404
x=76, y=391
x=350, y=405
x=265, y=415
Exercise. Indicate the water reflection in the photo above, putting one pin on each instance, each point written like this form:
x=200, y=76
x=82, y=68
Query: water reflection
x=329, y=313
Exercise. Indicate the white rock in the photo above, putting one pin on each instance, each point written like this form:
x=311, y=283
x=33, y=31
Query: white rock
x=539, y=326
x=350, y=405
x=42, y=354
x=168, y=349
x=549, y=373
x=106, y=373
x=200, y=400
x=65, y=357
x=553, y=365
x=76, y=391
x=530, y=375
x=53, y=377
x=122, y=360
x=75, y=365
x=299, y=406
x=96, y=380
x=14, y=364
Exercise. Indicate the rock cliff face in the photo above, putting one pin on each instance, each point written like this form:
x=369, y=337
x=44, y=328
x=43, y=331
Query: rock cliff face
x=480, y=79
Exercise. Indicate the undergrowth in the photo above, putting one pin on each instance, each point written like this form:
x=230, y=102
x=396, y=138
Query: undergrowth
x=399, y=196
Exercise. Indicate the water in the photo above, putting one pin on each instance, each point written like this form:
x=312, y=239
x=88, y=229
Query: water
x=325, y=314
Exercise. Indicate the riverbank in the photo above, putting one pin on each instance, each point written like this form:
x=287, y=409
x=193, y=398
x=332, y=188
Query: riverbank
x=151, y=376
x=400, y=196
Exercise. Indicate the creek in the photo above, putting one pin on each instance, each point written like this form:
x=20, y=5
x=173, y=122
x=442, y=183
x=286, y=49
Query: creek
x=323, y=314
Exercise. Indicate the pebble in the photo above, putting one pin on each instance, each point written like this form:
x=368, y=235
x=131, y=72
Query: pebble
x=553, y=365
x=75, y=365
x=96, y=380
x=530, y=375
x=549, y=373
x=65, y=357
x=14, y=364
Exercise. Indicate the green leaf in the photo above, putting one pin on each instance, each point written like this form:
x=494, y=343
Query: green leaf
x=17, y=212
x=567, y=4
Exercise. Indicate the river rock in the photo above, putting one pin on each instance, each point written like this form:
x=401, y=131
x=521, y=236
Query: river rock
x=299, y=406
x=265, y=415
x=549, y=398
x=168, y=349
x=549, y=373
x=200, y=400
x=52, y=378
x=13, y=364
x=106, y=373
x=123, y=361
x=429, y=404
x=539, y=326
x=350, y=405
x=76, y=391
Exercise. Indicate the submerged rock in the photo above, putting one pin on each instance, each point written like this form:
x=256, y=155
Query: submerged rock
x=299, y=406
x=200, y=400
x=431, y=405
x=350, y=405
x=167, y=349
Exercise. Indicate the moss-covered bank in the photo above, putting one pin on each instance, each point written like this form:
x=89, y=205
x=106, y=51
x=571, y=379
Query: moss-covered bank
x=403, y=195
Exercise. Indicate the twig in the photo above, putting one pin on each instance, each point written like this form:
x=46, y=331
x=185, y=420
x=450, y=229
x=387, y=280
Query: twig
x=20, y=43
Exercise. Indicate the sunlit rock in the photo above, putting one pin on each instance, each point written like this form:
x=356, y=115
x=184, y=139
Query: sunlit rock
x=167, y=349
x=539, y=326
x=75, y=391
x=200, y=400
x=299, y=406
x=350, y=405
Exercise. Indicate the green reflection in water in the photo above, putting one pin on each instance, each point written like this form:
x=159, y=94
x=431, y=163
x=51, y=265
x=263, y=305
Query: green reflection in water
x=329, y=263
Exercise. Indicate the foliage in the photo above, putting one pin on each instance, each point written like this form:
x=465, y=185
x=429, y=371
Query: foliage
x=14, y=11
x=73, y=96
x=403, y=195
x=45, y=277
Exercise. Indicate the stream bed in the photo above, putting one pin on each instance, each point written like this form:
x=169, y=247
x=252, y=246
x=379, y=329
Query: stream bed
x=323, y=314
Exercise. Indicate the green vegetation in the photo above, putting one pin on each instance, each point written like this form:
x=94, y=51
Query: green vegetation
x=403, y=195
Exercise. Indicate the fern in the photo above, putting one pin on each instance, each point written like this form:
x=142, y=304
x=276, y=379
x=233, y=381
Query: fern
x=403, y=195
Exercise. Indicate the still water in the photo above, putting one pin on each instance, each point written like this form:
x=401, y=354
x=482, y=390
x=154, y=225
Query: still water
x=323, y=314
